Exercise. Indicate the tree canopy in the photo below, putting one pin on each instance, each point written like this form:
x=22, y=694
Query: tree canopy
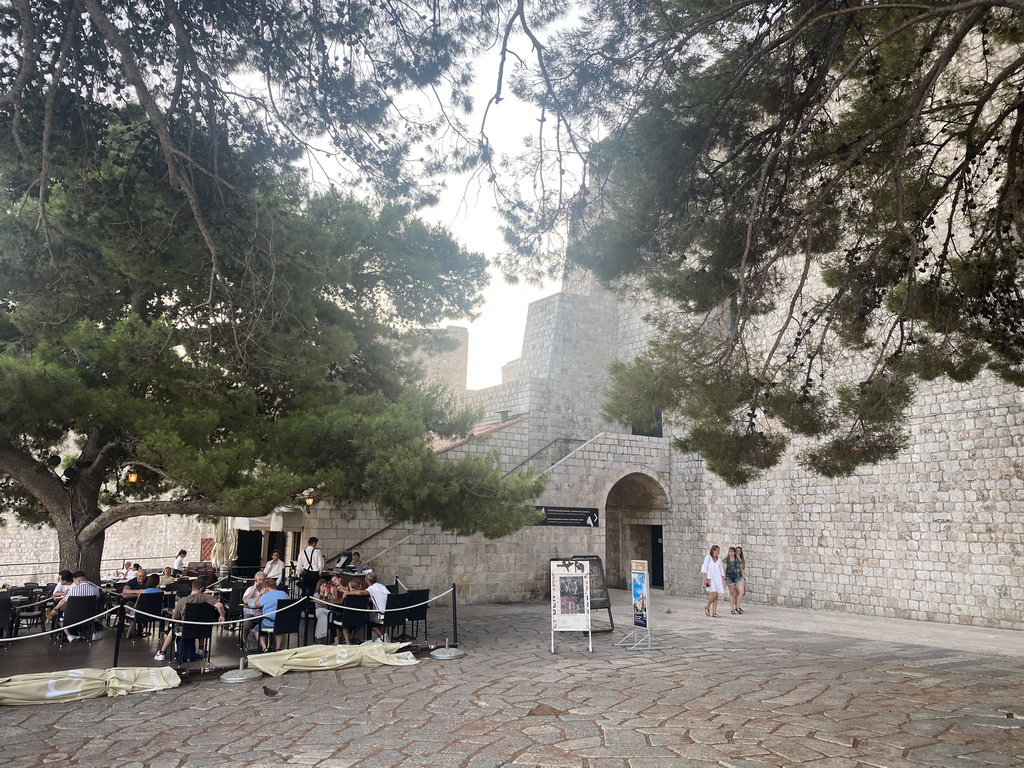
x=823, y=200
x=178, y=297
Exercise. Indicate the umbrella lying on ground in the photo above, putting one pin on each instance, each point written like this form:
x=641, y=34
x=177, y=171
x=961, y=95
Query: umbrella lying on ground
x=77, y=684
x=314, y=657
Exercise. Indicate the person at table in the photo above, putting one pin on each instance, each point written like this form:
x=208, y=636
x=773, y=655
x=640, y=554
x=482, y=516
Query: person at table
x=357, y=565
x=121, y=574
x=64, y=581
x=179, y=563
x=136, y=584
x=167, y=577
x=379, y=596
x=274, y=569
x=311, y=564
x=198, y=595
x=328, y=592
x=267, y=604
x=249, y=609
x=351, y=635
x=81, y=587
x=151, y=587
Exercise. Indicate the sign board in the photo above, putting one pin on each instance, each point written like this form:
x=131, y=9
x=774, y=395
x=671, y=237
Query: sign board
x=641, y=592
x=598, y=586
x=570, y=596
x=574, y=517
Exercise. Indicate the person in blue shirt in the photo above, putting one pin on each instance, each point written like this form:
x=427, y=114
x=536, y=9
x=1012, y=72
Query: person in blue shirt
x=267, y=603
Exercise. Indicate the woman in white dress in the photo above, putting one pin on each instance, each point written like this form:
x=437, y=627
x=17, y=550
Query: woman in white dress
x=713, y=571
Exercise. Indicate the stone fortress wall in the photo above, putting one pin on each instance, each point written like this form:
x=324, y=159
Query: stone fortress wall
x=936, y=535
x=30, y=553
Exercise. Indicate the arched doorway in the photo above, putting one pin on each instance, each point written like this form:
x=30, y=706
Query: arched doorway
x=636, y=513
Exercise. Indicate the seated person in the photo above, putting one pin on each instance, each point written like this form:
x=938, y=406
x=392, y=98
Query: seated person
x=167, y=577
x=354, y=587
x=136, y=584
x=121, y=574
x=267, y=603
x=379, y=596
x=178, y=569
x=356, y=565
x=197, y=596
x=64, y=582
x=249, y=609
x=327, y=592
x=81, y=587
x=274, y=569
x=152, y=586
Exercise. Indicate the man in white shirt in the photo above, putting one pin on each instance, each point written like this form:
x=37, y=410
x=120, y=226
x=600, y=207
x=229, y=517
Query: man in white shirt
x=80, y=588
x=274, y=569
x=311, y=563
x=379, y=595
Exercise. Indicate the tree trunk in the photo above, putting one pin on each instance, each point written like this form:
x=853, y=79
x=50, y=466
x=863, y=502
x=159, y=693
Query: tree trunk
x=77, y=552
x=80, y=556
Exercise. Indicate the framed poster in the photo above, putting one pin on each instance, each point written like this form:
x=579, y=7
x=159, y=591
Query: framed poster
x=570, y=596
x=641, y=592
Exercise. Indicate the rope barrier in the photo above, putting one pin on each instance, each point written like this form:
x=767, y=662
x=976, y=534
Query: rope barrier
x=33, y=605
x=61, y=628
x=339, y=606
x=160, y=617
x=296, y=604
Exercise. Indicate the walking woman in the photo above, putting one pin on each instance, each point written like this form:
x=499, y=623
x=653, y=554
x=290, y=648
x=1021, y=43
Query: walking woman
x=734, y=578
x=741, y=588
x=713, y=580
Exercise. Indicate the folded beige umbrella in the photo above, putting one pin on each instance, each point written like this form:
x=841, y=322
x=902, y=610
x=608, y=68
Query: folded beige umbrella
x=314, y=657
x=77, y=684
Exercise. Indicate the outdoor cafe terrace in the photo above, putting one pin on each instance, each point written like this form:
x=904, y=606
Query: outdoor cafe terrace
x=32, y=638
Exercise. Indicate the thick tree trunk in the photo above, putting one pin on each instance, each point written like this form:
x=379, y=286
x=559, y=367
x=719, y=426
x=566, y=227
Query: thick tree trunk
x=79, y=556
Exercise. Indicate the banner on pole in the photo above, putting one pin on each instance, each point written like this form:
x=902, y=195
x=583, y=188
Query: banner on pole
x=641, y=592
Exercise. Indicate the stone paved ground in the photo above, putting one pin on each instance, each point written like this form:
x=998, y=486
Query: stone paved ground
x=773, y=687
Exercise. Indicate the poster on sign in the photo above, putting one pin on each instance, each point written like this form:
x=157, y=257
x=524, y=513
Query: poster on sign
x=570, y=596
x=641, y=592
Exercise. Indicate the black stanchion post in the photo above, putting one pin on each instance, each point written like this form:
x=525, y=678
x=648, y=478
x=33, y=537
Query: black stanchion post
x=118, y=633
x=455, y=618
x=305, y=619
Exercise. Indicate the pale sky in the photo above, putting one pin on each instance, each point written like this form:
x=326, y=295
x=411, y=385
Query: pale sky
x=496, y=337
x=467, y=209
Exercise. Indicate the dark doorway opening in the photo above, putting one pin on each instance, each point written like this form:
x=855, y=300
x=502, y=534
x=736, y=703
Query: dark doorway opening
x=250, y=551
x=657, y=558
x=275, y=540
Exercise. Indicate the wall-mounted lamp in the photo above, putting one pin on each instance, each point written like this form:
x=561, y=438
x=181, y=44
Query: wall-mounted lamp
x=133, y=477
x=309, y=502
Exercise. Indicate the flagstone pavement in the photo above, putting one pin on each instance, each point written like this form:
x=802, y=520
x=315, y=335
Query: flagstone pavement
x=773, y=687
